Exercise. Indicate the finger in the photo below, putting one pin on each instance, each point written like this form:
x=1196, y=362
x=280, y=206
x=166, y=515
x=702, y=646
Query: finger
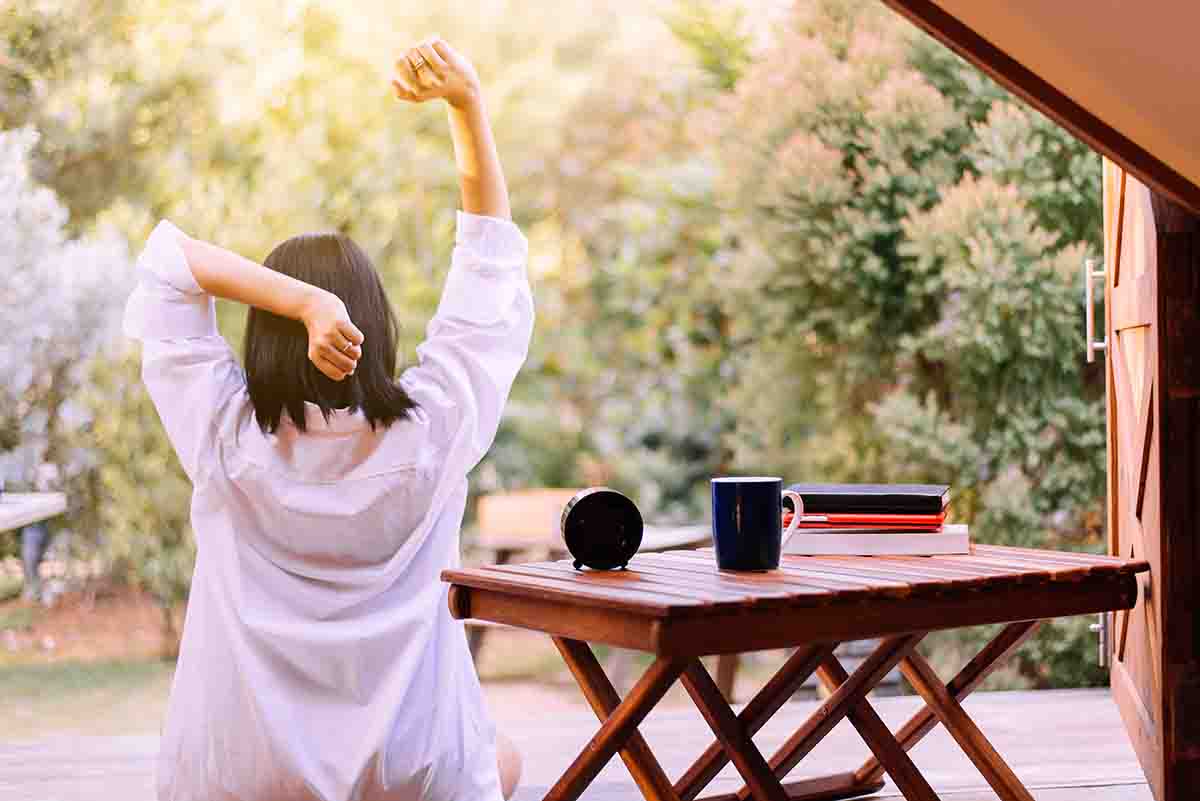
x=350, y=331
x=407, y=81
x=323, y=351
x=403, y=93
x=338, y=359
x=435, y=62
x=420, y=68
x=344, y=346
x=406, y=78
x=337, y=341
x=444, y=51
x=328, y=368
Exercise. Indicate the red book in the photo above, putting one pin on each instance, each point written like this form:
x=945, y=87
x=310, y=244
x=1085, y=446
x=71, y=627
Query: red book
x=907, y=522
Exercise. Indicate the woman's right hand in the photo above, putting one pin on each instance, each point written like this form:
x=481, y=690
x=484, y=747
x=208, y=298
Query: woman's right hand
x=334, y=342
x=434, y=69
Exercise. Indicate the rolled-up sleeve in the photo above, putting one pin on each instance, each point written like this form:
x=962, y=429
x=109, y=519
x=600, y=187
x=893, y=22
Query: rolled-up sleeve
x=187, y=366
x=477, y=341
x=167, y=302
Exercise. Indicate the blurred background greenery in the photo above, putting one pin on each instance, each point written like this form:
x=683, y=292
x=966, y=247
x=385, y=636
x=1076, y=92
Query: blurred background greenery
x=789, y=237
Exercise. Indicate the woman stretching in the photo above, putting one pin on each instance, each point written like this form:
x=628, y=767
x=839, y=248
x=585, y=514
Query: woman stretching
x=319, y=660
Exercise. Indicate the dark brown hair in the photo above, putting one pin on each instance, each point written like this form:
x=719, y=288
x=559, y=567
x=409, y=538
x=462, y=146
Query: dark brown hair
x=279, y=375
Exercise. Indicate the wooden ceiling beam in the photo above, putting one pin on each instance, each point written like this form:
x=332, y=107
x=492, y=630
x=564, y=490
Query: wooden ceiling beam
x=1052, y=102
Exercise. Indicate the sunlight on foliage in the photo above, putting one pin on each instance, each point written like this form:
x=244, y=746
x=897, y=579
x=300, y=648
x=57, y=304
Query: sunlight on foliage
x=803, y=239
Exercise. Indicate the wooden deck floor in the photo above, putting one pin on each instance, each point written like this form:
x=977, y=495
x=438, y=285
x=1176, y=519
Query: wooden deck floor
x=1066, y=746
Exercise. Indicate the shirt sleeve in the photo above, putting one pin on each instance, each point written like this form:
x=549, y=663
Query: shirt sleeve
x=477, y=340
x=187, y=366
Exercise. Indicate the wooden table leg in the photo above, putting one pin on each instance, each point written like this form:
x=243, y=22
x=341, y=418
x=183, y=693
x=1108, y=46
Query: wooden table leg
x=763, y=783
x=774, y=694
x=645, y=769
x=617, y=728
x=997, y=772
x=829, y=714
x=970, y=677
x=879, y=738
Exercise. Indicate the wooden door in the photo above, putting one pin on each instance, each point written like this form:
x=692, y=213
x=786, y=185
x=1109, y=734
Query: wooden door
x=1151, y=280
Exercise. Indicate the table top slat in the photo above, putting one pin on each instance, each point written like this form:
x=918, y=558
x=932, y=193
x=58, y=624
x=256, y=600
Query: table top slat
x=604, y=583
x=916, y=578
x=831, y=580
x=1029, y=567
x=755, y=585
x=961, y=569
x=924, y=568
x=1077, y=557
x=912, y=570
x=815, y=591
x=725, y=585
x=570, y=592
x=709, y=592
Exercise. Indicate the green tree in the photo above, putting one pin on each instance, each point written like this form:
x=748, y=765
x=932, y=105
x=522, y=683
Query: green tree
x=144, y=498
x=850, y=257
x=248, y=126
x=818, y=244
x=645, y=340
x=904, y=288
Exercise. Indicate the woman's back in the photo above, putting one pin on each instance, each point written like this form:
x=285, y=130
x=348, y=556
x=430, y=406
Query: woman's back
x=310, y=669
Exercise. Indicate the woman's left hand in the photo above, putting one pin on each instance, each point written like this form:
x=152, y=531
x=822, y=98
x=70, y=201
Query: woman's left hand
x=334, y=342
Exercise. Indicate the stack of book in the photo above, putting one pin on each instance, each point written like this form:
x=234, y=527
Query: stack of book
x=875, y=519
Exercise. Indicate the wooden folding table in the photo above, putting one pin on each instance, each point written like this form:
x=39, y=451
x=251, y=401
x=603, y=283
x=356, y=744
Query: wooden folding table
x=678, y=606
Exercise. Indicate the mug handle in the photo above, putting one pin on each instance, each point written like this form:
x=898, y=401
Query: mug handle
x=797, y=513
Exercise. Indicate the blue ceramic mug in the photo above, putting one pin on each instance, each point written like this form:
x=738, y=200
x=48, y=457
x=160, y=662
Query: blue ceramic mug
x=747, y=520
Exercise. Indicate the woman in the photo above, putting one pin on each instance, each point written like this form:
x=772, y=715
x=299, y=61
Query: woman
x=319, y=659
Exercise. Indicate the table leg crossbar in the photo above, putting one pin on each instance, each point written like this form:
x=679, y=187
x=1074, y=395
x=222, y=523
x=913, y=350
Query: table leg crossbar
x=734, y=732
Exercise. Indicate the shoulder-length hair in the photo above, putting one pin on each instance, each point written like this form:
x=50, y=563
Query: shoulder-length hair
x=279, y=376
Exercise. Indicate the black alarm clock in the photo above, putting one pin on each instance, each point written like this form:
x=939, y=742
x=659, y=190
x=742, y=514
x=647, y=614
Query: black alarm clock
x=601, y=528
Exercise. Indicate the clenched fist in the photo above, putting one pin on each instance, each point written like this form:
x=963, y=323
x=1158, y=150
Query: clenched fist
x=433, y=69
x=334, y=341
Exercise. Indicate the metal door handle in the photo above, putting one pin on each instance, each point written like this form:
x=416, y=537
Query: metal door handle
x=1090, y=273
x=1101, y=628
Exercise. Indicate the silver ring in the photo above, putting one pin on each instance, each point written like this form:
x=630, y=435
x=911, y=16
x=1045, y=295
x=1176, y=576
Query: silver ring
x=349, y=345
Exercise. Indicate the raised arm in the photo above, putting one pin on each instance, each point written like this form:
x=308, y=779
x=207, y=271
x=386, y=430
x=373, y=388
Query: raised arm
x=433, y=69
x=334, y=342
x=478, y=339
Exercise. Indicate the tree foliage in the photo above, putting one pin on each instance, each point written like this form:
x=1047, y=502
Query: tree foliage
x=59, y=294
x=877, y=260
x=815, y=244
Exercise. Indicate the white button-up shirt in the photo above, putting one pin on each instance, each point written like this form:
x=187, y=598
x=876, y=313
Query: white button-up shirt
x=319, y=660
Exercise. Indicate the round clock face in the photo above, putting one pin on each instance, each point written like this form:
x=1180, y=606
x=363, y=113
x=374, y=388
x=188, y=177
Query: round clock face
x=601, y=528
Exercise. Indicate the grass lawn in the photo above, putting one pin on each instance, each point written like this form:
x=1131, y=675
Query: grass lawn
x=87, y=665
x=108, y=698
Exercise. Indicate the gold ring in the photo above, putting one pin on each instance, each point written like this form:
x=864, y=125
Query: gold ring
x=419, y=64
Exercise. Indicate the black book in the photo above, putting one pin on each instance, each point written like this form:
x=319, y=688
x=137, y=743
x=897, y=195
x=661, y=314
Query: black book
x=909, y=499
